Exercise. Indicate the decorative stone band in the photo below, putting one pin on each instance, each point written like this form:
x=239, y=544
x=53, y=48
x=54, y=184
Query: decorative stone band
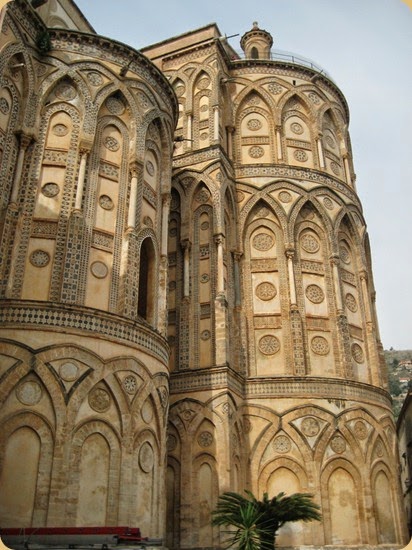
x=299, y=386
x=308, y=174
x=323, y=388
x=204, y=379
x=68, y=318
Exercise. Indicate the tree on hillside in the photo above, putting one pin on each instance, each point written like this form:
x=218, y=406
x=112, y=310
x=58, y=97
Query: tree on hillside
x=256, y=522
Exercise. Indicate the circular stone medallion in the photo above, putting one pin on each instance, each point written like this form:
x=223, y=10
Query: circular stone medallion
x=357, y=353
x=319, y=345
x=256, y=151
x=310, y=426
x=29, y=393
x=106, y=202
x=39, y=258
x=281, y=444
x=99, y=400
x=254, y=124
x=285, y=197
x=300, y=155
x=338, y=444
x=309, y=243
x=205, y=439
x=262, y=242
x=99, y=270
x=147, y=411
x=269, y=345
x=296, y=128
x=146, y=457
x=66, y=91
x=115, y=106
x=50, y=189
x=111, y=143
x=275, y=88
x=315, y=294
x=60, y=130
x=360, y=430
x=327, y=203
x=266, y=291
x=130, y=384
x=94, y=78
x=350, y=302
x=69, y=371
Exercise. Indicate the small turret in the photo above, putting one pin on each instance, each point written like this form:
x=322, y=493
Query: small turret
x=256, y=43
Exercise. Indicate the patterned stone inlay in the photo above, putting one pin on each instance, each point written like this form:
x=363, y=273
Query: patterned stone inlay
x=256, y=151
x=254, y=124
x=285, y=197
x=360, y=430
x=263, y=241
x=266, y=291
x=310, y=426
x=269, y=345
x=115, y=106
x=111, y=143
x=60, y=130
x=314, y=98
x=106, y=202
x=315, y=294
x=39, y=258
x=275, y=88
x=357, y=353
x=296, y=128
x=202, y=196
x=66, y=91
x=300, y=155
x=319, y=345
x=282, y=444
x=146, y=457
x=203, y=83
x=338, y=444
x=99, y=270
x=69, y=371
x=350, y=302
x=95, y=78
x=205, y=439
x=150, y=168
x=29, y=393
x=4, y=106
x=99, y=400
x=344, y=254
x=50, y=189
x=335, y=168
x=130, y=384
x=309, y=243
x=328, y=203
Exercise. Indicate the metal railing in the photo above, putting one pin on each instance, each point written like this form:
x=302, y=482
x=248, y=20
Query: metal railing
x=287, y=57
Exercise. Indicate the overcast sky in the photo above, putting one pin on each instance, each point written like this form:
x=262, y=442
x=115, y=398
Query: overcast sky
x=366, y=47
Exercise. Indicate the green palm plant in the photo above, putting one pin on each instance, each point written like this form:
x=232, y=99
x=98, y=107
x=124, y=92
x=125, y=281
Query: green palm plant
x=256, y=522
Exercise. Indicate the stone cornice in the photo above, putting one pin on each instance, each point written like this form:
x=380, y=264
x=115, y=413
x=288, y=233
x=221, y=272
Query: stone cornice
x=110, y=50
x=281, y=387
x=70, y=319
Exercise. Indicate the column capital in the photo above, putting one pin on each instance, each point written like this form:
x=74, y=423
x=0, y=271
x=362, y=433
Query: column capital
x=166, y=199
x=363, y=275
x=134, y=168
x=231, y=129
x=185, y=244
x=219, y=238
x=334, y=259
x=237, y=255
x=85, y=145
x=290, y=251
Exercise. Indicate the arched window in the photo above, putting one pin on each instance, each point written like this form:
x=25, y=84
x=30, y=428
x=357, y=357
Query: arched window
x=254, y=53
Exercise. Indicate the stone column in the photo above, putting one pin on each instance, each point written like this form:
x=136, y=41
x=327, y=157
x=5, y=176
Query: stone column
x=279, y=142
x=166, y=199
x=347, y=168
x=220, y=267
x=131, y=217
x=81, y=179
x=216, y=123
x=230, y=132
x=335, y=261
x=320, y=151
x=25, y=141
x=374, y=363
x=186, y=268
x=292, y=286
x=189, y=130
x=163, y=267
x=236, y=261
